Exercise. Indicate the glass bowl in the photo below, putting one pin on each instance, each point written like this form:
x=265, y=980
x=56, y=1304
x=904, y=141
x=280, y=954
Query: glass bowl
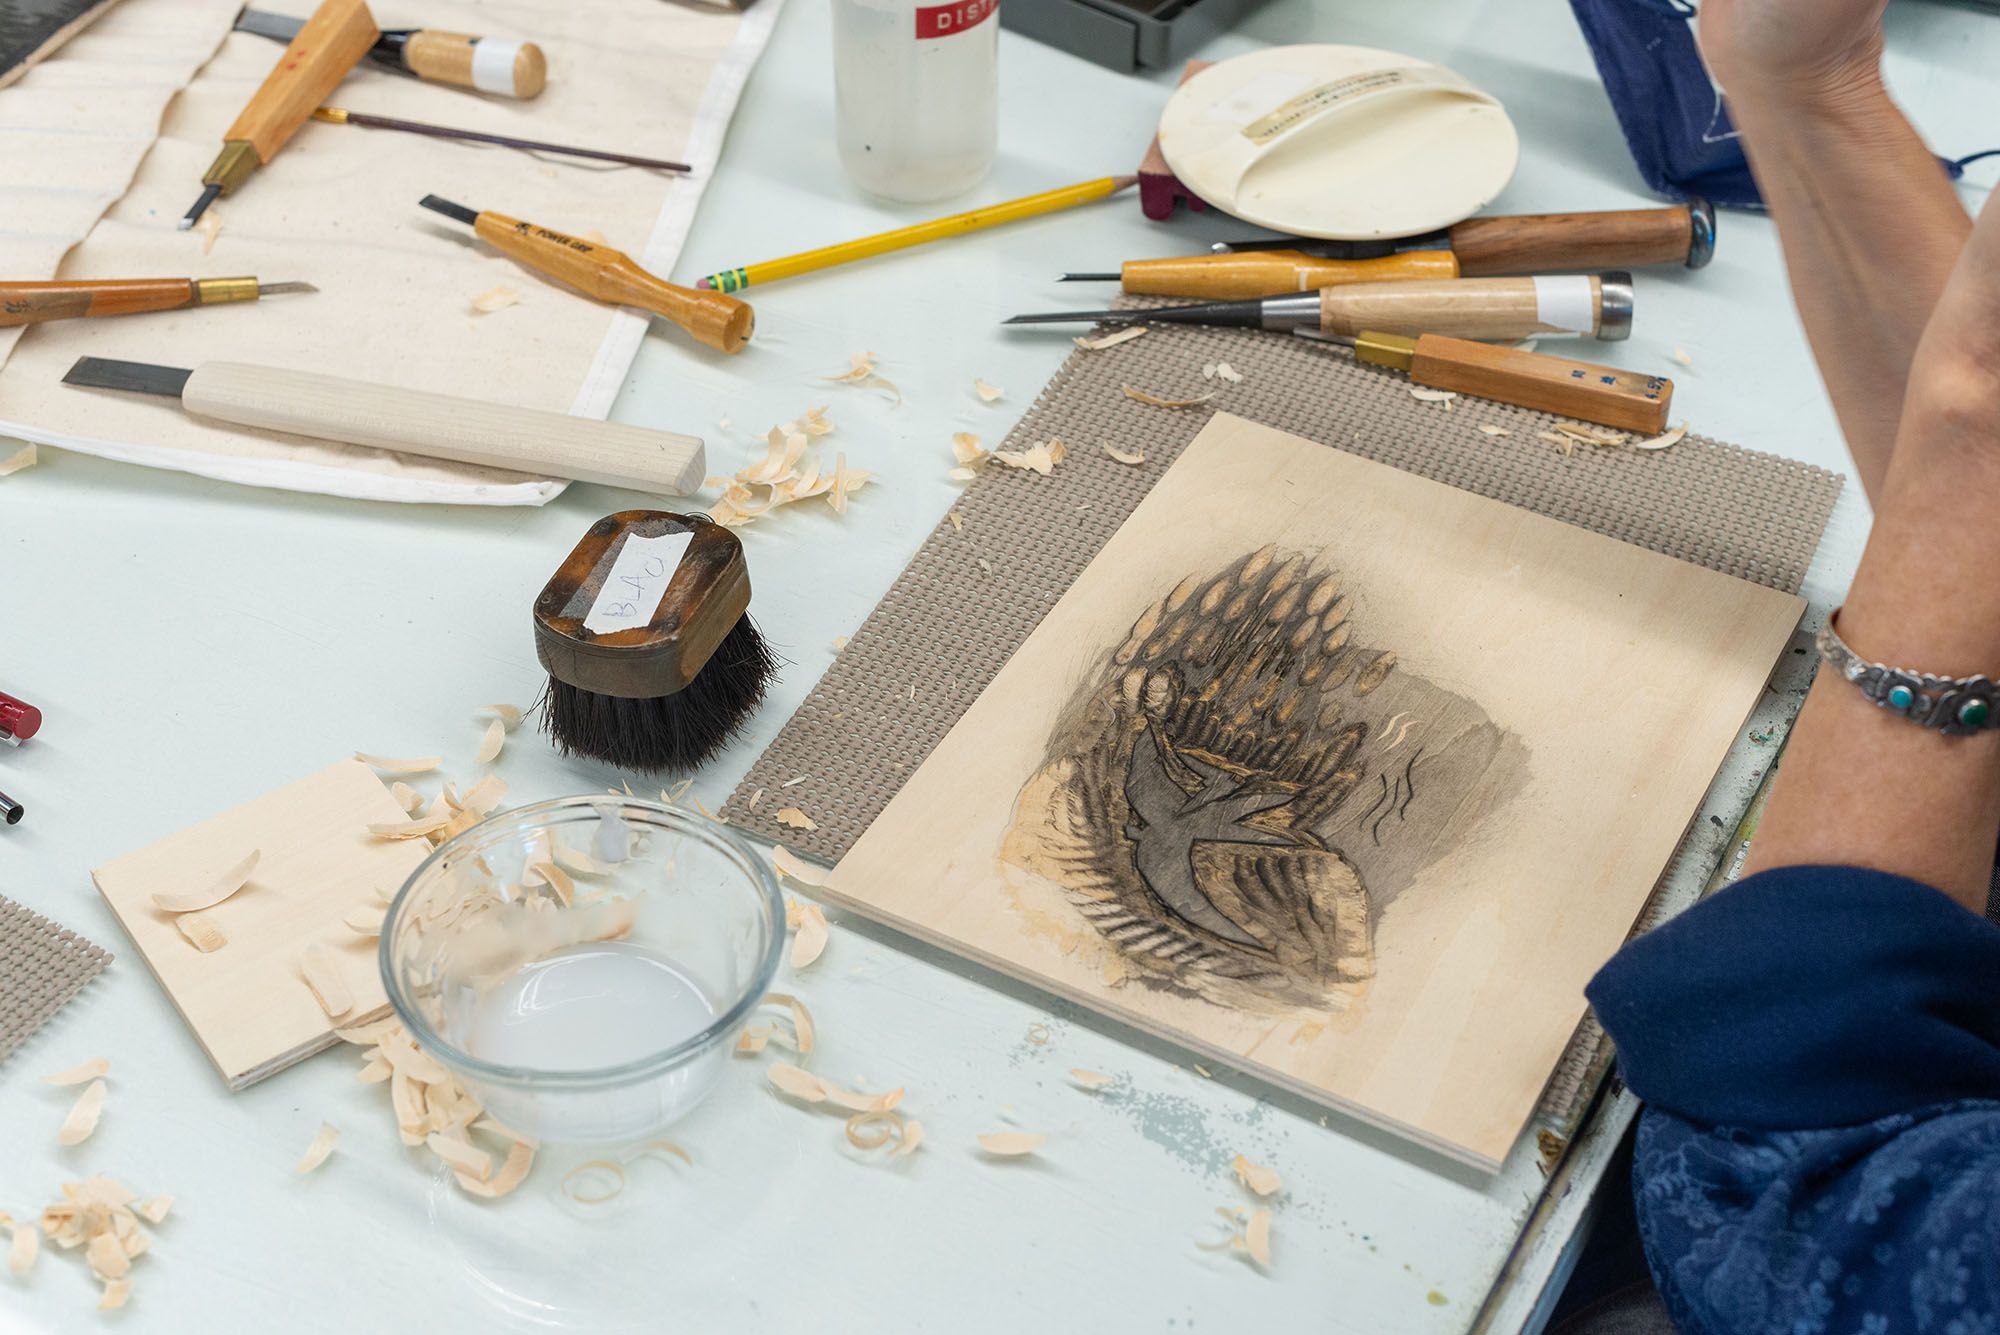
x=584, y=965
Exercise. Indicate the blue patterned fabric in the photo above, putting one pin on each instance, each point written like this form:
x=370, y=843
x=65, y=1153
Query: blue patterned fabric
x=1819, y=1049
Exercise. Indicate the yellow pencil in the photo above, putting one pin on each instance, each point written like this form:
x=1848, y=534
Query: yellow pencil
x=731, y=280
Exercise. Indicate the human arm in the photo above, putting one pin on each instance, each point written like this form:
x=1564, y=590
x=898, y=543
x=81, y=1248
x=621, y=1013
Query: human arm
x=1869, y=223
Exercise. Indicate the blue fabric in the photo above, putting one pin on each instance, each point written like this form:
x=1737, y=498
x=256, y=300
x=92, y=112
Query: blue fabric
x=1672, y=114
x=1819, y=1048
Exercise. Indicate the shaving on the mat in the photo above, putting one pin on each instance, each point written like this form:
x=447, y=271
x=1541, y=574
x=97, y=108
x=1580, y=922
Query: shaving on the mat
x=1103, y=341
x=1156, y=401
x=1040, y=457
x=1423, y=395
x=1222, y=371
x=1132, y=457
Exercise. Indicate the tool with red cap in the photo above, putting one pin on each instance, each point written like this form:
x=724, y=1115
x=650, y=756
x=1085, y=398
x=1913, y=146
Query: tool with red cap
x=19, y=721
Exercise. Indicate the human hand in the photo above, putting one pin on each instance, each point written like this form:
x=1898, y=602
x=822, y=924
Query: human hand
x=1754, y=46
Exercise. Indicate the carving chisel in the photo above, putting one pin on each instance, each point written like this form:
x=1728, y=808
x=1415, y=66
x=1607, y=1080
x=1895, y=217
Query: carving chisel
x=436, y=426
x=331, y=42
x=720, y=321
x=488, y=64
x=1486, y=308
x=33, y=303
x=1476, y=248
x=1628, y=400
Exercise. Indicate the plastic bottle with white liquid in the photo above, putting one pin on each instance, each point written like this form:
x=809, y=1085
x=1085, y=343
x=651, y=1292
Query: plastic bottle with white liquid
x=916, y=91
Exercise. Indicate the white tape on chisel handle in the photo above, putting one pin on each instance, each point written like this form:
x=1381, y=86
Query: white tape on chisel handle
x=493, y=65
x=1565, y=302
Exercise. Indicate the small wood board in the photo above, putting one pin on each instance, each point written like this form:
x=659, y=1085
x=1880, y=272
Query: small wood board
x=247, y=1004
x=1382, y=882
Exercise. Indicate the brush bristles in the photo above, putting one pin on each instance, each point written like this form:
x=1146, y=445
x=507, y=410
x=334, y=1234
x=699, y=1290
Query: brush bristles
x=671, y=732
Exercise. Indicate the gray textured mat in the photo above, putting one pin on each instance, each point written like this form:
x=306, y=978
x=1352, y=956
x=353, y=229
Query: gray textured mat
x=42, y=966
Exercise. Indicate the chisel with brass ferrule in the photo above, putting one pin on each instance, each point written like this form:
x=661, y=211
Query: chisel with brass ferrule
x=32, y=303
x=1599, y=305
x=487, y=64
x=414, y=421
x=1628, y=400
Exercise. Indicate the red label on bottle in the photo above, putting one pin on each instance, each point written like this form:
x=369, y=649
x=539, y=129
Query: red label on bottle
x=944, y=20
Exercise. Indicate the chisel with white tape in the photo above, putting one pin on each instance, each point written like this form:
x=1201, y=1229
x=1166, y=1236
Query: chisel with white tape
x=488, y=64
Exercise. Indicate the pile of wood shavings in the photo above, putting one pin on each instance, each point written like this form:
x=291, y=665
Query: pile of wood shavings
x=435, y=1110
x=872, y=1121
x=1040, y=457
x=1569, y=435
x=103, y=1217
x=790, y=471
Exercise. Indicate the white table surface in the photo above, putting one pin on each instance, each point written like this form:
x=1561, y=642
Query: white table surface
x=195, y=644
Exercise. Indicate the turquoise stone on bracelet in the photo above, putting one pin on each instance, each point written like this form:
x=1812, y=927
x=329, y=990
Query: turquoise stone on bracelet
x=1973, y=713
x=1902, y=697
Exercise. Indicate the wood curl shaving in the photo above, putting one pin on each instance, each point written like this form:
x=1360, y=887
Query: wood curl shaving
x=1103, y=341
x=434, y=1110
x=201, y=932
x=23, y=1247
x=791, y=471
x=907, y=1133
x=490, y=744
x=1664, y=441
x=1040, y=457
x=117, y=1293
x=1222, y=371
x=317, y=1152
x=322, y=974
x=795, y=818
x=495, y=299
x=100, y=1216
x=1012, y=1144
x=1423, y=395
x=812, y=933
x=613, y=1173
x=987, y=393
x=83, y=1114
x=1132, y=457
x=794, y=869
x=1155, y=401
x=1261, y=1180
x=93, y=1069
x=415, y=828
x=509, y=715
x=406, y=797
x=861, y=373
x=1487, y=428
x=389, y=765
x=225, y=885
x=1090, y=1080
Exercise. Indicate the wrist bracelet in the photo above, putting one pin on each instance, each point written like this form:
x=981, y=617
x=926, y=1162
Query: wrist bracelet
x=1956, y=706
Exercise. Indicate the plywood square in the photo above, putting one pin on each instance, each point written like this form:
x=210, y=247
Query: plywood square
x=247, y=1004
x=1334, y=774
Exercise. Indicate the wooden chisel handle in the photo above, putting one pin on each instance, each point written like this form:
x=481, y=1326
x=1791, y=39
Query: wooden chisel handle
x=333, y=42
x=1271, y=273
x=1491, y=308
x=1625, y=399
x=439, y=426
x=32, y=303
x=1576, y=242
x=597, y=271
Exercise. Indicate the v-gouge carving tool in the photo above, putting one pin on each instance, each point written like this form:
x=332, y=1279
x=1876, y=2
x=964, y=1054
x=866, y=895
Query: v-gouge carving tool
x=1627, y=400
x=1488, y=308
x=330, y=44
x=486, y=64
x=33, y=303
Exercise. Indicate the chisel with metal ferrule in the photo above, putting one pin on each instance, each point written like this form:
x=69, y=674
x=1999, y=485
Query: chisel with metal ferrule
x=32, y=303
x=436, y=426
x=713, y=318
x=330, y=43
x=488, y=64
x=1537, y=242
x=1488, y=308
x=1628, y=400
x=1266, y=273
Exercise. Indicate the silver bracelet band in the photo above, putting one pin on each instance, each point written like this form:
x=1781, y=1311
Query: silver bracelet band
x=1956, y=706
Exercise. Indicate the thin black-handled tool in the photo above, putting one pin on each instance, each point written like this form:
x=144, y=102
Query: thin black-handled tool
x=488, y=64
x=1484, y=308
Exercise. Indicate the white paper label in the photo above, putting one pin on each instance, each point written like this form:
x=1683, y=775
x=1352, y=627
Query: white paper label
x=493, y=65
x=638, y=580
x=1564, y=303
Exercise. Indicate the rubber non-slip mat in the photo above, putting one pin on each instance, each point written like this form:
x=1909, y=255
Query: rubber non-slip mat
x=42, y=966
x=1016, y=540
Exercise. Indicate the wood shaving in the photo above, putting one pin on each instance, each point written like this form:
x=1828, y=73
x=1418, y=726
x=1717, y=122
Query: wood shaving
x=116, y=1294
x=225, y=885
x=495, y=299
x=861, y=372
x=509, y=715
x=513, y=1171
x=987, y=393
x=794, y=781
x=810, y=943
x=322, y=974
x=789, y=472
x=201, y=931
x=754, y=1039
x=1423, y=395
x=155, y=1210
x=804, y=1032
x=93, y=1069
x=1222, y=371
x=1681, y=356
x=416, y=765
x=859, y=1125
x=1261, y=1180
x=83, y=1115
x=415, y=828
x=789, y=866
x=1090, y=1080
x=657, y=1149
x=1666, y=440
x=490, y=744
x=582, y=1194
x=913, y=1136
x=21, y=1251
x=1591, y=435
x=1133, y=457
x=107, y=1256
x=1041, y=457
x=1039, y=1034
x=1154, y=400
x=462, y=1155
x=211, y=228
x=1012, y=1144
x=21, y=458
x=1487, y=428
x=322, y=1145
x=1257, y=1237
x=484, y=796
x=1103, y=341
x=578, y=863
x=795, y=818
x=797, y=1083
x=366, y=920
x=406, y=797
x=968, y=452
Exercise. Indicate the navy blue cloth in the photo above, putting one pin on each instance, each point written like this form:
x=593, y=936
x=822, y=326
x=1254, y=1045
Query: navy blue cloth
x=1819, y=1050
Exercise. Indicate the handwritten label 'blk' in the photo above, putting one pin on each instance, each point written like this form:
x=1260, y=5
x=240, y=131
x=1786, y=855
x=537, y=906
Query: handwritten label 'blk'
x=638, y=580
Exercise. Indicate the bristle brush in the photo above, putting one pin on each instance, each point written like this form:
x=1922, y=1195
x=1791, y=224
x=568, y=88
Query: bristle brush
x=653, y=662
